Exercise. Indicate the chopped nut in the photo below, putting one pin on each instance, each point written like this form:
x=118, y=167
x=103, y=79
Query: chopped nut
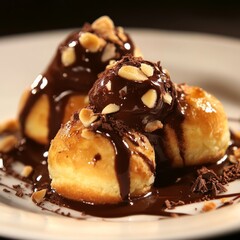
x=87, y=134
x=9, y=126
x=121, y=34
x=109, y=85
x=209, y=206
x=154, y=125
x=110, y=108
x=8, y=143
x=38, y=196
x=132, y=73
x=111, y=64
x=166, y=72
x=167, y=98
x=102, y=24
x=27, y=170
x=68, y=56
x=105, y=27
x=109, y=52
x=150, y=98
x=147, y=69
x=91, y=42
x=87, y=117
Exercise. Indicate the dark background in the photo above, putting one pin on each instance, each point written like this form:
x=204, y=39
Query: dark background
x=215, y=17
x=218, y=17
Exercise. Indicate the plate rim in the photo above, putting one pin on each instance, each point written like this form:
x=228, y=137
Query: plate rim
x=229, y=225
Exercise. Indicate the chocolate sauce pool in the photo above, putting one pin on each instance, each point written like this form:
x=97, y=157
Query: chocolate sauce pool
x=172, y=185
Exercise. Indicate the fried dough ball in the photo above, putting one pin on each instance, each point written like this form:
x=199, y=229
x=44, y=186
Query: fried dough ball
x=202, y=135
x=84, y=165
x=62, y=88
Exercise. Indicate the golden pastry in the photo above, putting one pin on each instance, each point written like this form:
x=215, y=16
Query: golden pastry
x=87, y=166
x=110, y=151
x=63, y=87
x=201, y=134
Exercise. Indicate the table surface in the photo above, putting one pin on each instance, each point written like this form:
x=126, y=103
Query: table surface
x=216, y=17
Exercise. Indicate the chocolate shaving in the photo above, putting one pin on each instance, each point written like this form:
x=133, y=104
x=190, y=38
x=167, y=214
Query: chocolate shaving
x=208, y=182
x=231, y=173
x=6, y=190
x=19, y=190
x=173, y=204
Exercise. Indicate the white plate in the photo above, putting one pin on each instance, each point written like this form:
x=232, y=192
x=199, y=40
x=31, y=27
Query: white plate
x=211, y=62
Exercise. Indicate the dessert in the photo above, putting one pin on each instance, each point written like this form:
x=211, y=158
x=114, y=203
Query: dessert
x=133, y=104
x=128, y=140
x=69, y=77
x=84, y=166
x=203, y=135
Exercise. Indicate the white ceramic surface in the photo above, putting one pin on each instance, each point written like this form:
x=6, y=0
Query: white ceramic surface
x=211, y=62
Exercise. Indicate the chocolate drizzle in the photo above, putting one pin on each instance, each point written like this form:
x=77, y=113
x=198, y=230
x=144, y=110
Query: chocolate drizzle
x=117, y=133
x=133, y=112
x=173, y=185
x=60, y=82
x=122, y=157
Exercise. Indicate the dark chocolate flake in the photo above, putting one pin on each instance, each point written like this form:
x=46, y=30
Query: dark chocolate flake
x=208, y=182
x=19, y=190
x=6, y=190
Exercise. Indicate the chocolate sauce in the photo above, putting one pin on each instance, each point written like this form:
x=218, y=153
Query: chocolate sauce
x=172, y=185
x=128, y=94
x=60, y=82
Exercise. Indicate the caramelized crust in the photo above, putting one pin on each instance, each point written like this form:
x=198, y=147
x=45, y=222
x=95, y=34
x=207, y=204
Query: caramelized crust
x=205, y=133
x=82, y=165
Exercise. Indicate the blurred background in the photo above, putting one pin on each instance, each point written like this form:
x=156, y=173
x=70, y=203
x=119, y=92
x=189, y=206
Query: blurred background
x=217, y=17
x=214, y=17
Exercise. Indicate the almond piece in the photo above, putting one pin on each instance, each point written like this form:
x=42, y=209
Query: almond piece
x=149, y=98
x=167, y=98
x=38, y=196
x=103, y=24
x=154, y=125
x=111, y=64
x=7, y=143
x=91, y=42
x=166, y=72
x=87, y=117
x=68, y=56
x=109, y=85
x=132, y=73
x=27, y=170
x=111, y=108
x=209, y=206
x=147, y=69
x=109, y=52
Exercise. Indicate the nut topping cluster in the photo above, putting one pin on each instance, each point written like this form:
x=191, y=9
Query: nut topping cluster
x=134, y=91
x=101, y=36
